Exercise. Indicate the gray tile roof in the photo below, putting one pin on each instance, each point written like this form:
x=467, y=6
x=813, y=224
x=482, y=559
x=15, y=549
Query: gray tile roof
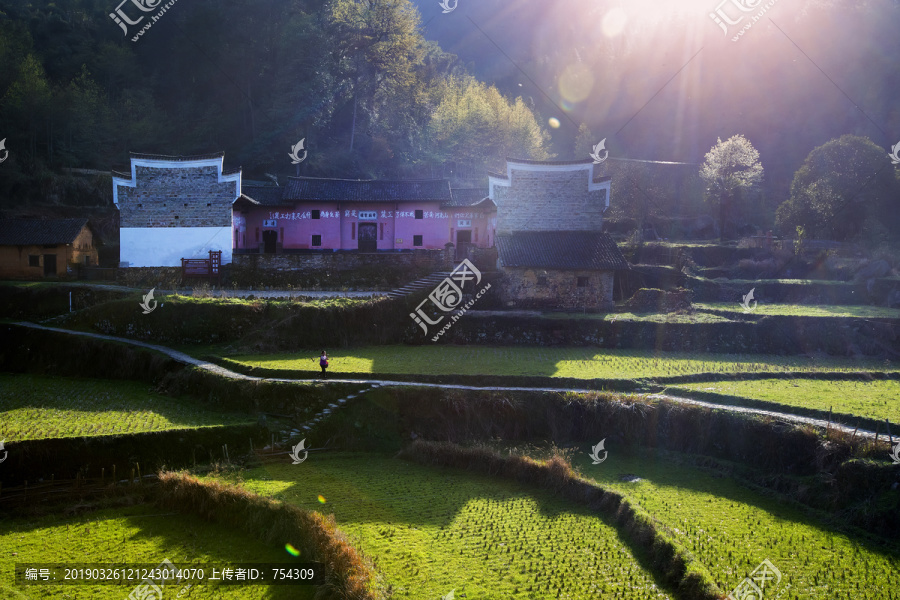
x=569, y=250
x=466, y=197
x=185, y=158
x=355, y=190
x=265, y=195
x=26, y=232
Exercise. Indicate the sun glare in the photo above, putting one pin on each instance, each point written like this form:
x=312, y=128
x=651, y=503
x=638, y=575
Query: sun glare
x=614, y=22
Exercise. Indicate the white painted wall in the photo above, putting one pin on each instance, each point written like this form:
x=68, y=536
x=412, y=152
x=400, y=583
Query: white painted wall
x=166, y=246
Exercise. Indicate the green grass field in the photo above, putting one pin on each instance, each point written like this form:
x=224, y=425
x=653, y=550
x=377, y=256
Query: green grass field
x=134, y=535
x=434, y=531
x=731, y=529
x=581, y=363
x=653, y=317
x=802, y=310
x=38, y=407
x=876, y=399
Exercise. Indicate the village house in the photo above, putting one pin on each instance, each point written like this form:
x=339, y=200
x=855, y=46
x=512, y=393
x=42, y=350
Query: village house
x=543, y=218
x=37, y=248
x=550, y=246
x=361, y=215
x=174, y=207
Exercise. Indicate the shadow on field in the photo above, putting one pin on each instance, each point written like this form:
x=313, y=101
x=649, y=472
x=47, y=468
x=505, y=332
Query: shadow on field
x=376, y=488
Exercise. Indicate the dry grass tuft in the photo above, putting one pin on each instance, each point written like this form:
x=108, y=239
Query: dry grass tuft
x=349, y=576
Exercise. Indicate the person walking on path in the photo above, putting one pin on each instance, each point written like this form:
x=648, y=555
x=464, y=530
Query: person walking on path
x=323, y=362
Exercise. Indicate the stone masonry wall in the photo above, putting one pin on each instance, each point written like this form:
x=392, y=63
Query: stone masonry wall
x=549, y=201
x=177, y=197
x=435, y=260
x=545, y=289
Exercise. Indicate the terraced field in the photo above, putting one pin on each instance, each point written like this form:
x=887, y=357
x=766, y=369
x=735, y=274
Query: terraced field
x=581, y=363
x=876, y=399
x=732, y=529
x=38, y=407
x=434, y=531
x=134, y=535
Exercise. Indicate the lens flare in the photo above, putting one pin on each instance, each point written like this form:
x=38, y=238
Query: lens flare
x=614, y=22
x=576, y=83
x=553, y=122
x=291, y=550
x=321, y=499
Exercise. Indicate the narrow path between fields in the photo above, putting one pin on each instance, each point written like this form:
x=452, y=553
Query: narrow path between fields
x=218, y=370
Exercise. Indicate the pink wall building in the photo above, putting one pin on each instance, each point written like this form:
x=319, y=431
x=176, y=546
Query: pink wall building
x=364, y=215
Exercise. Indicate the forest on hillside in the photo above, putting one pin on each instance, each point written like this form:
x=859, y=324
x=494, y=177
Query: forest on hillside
x=401, y=89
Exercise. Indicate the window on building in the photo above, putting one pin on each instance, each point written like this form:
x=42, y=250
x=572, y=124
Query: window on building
x=417, y=240
x=381, y=231
x=581, y=281
x=420, y=214
x=316, y=214
x=176, y=216
x=316, y=240
x=542, y=280
x=34, y=260
x=208, y=204
x=185, y=204
x=140, y=206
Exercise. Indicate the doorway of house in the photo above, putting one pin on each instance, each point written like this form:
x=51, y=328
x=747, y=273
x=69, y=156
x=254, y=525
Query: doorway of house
x=49, y=264
x=367, y=235
x=270, y=238
x=463, y=241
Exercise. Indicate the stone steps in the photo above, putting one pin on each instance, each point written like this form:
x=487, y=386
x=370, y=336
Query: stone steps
x=420, y=284
x=290, y=436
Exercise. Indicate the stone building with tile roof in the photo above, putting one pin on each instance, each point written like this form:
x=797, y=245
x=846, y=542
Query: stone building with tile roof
x=38, y=248
x=174, y=207
x=311, y=213
x=550, y=246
